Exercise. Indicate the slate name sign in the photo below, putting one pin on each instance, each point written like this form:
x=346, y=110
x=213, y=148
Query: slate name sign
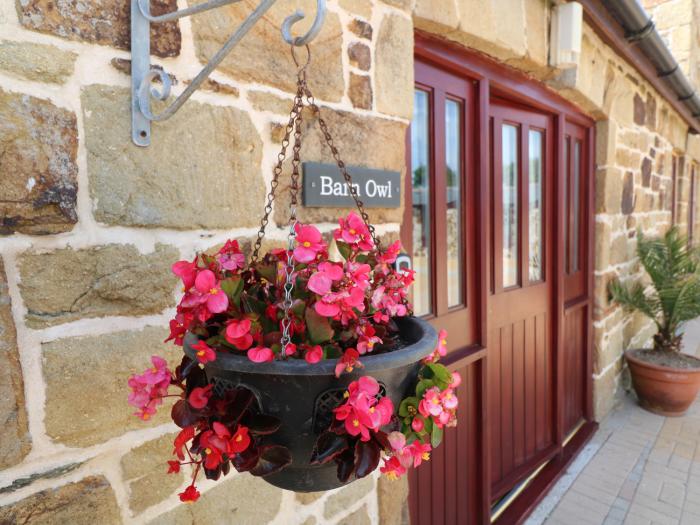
x=324, y=186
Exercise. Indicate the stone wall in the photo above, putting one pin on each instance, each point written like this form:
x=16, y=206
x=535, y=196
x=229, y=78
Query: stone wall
x=91, y=224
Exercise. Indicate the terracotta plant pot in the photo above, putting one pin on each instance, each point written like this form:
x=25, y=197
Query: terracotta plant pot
x=302, y=396
x=663, y=390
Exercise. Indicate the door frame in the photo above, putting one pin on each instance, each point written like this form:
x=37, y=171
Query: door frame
x=490, y=79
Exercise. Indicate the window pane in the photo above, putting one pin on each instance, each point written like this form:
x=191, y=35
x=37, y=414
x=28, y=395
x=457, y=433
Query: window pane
x=536, y=249
x=510, y=205
x=576, y=207
x=453, y=162
x=420, y=154
x=567, y=207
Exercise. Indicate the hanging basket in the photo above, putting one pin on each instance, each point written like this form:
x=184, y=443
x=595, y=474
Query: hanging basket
x=303, y=396
x=298, y=368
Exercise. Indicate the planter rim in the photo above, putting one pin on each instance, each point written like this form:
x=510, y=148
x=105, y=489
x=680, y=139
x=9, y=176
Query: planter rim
x=426, y=341
x=641, y=362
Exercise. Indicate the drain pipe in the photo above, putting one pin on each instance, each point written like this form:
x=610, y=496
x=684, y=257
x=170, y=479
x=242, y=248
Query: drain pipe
x=640, y=31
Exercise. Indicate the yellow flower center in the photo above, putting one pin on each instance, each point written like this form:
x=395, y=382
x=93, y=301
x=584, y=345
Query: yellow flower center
x=352, y=232
x=370, y=344
x=207, y=451
x=371, y=410
x=355, y=423
x=154, y=370
x=444, y=341
x=392, y=475
x=435, y=401
x=348, y=368
x=346, y=394
x=239, y=438
x=448, y=396
x=426, y=456
x=200, y=353
x=146, y=416
x=306, y=244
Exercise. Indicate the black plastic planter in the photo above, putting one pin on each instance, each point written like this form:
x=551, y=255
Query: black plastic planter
x=302, y=396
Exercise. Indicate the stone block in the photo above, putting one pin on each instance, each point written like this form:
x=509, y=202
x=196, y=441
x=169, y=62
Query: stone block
x=640, y=110
x=608, y=190
x=362, y=141
x=264, y=57
x=86, y=502
x=176, y=182
x=86, y=384
x=39, y=145
x=360, y=91
x=145, y=472
x=392, y=497
x=358, y=7
x=605, y=391
x=37, y=62
x=346, y=496
x=361, y=28
x=628, y=201
x=360, y=56
x=239, y=499
x=307, y=498
x=394, y=67
x=14, y=438
x=65, y=285
x=359, y=517
x=263, y=101
x=104, y=22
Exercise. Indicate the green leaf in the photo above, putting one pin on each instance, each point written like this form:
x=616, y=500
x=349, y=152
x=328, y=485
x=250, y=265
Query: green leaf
x=233, y=287
x=344, y=249
x=267, y=271
x=251, y=305
x=408, y=402
x=423, y=385
x=298, y=308
x=436, y=436
x=319, y=327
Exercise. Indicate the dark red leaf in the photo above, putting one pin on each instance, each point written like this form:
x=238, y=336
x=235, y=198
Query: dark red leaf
x=236, y=403
x=261, y=424
x=328, y=446
x=382, y=440
x=213, y=474
x=366, y=458
x=247, y=459
x=196, y=378
x=346, y=465
x=184, y=415
x=273, y=458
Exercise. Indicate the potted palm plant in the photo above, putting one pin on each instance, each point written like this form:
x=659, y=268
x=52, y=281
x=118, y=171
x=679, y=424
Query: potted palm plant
x=665, y=380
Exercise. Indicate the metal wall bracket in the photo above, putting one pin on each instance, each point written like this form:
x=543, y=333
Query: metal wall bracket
x=143, y=76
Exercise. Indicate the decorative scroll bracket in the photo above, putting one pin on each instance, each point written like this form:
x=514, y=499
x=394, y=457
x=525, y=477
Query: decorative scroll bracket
x=142, y=75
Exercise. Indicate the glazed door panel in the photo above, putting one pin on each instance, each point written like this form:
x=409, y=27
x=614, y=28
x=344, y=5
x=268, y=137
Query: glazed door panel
x=520, y=370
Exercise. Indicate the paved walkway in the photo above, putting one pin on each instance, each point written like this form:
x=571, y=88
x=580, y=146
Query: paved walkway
x=639, y=469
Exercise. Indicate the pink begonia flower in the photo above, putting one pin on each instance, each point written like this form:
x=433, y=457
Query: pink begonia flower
x=230, y=257
x=290, y=349
x=367, y=340
x=456, y=380
x=348, y=362
x=440, y=349
x=208, y=292
x=149, y=388
x=362, y=412
x=392, y=468
x=430, y=405
x=358, y=274
x=309, y=243
x=314, y=354
x=354, y=231
x=418, y=424
x=204, y=353
x=199, y=397
x=448, y=399
x=259, y=354
x=238, y=333
x=320, y=283
x=186, y=271
x=389, y=255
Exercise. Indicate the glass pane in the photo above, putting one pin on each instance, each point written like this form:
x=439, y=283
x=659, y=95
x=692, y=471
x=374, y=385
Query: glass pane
x=536, y=248
x=420, y=154
x=509, y=156
x=453, y=163
x=576, y=208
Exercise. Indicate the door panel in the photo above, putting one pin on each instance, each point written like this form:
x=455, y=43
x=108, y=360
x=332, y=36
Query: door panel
x=520, y=313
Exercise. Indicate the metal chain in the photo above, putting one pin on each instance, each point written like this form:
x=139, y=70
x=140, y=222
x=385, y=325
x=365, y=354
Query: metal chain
x=296, y=109
x=341, y=165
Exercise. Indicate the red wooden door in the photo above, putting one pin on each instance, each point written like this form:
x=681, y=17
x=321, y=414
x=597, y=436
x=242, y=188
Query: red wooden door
x=440, y=235
x=520, y=379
